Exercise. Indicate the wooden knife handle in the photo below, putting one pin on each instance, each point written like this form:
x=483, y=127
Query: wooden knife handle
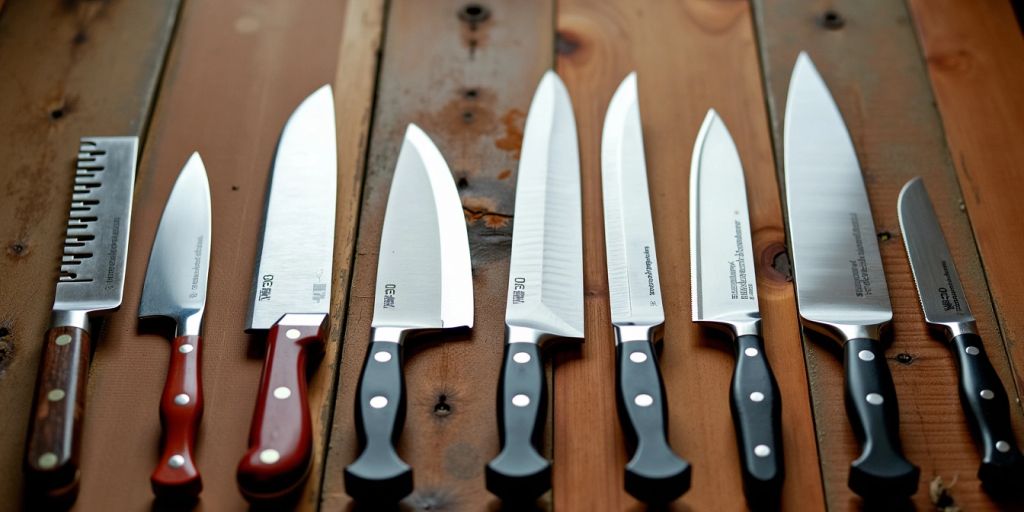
x=519, y=473
x=281, y=434
x=51, y=460
x=757, y=416
x=881, y=471
x=181, y=408
x=655, y=474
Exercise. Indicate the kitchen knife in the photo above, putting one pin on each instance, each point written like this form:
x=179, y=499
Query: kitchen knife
x=424, y=283
x=655, y=473
x=724, y=287
x=175, y=288
x=291, y=296
x=945, y=308
x=545, y=288
x=91, y=281
x=840, y=284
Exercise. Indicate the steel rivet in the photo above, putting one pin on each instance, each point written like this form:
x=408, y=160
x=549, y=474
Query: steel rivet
x=751, y=352
x=762, y=450
x=643, y=400
x=637, y=357
x=293, y=334
x=182, y=399
x=875, y=399
x=1002, y=446
x=866, y=355
x=269, y=456
x=62, y=340
x=55, y=395
x=756, y=396
x=282, y=392
x=47, y=460
x=378, y=402
x=176, y=461
x=186, y=348
x=521, y=357
x=520, y=400
x=987, y=394
x=972, y=350
x=382, y=356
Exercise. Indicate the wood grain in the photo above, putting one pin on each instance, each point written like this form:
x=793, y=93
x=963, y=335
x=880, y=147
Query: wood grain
x=866, y=52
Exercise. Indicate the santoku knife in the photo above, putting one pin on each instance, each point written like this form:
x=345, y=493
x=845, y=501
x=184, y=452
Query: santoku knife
x=175, y=288
x=291, y=296
x=655, y=473
x=545, y=288
x=724, y=287
x=424, y=283
x=982, y=395
x=840, y=284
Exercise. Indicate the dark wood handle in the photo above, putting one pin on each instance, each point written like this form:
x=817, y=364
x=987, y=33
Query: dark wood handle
x=181, y=408
x=51, y=461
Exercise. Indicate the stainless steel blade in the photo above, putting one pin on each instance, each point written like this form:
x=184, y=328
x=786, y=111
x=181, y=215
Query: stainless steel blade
x=424, y=279
x=628, y=229
x=179, y=262
x=721, y=254
x=545, y=284
x=295, y=258
x=837, y=266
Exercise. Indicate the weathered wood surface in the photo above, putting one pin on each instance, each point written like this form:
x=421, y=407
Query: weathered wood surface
x=867, y=53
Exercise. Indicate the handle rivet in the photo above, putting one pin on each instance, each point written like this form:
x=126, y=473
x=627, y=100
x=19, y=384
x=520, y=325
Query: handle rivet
x=972, y=350
x=62, y=340
x=866, y=355
x=269, y=456
x=750, y=352
x=762, y=450
x=756, y=396
x=378, y=402
x=520, y=400
x=1002, y=446
x=382, y=356
x=643, y=400
x=186, y=348
x=521, y=357
x=47, y=460
x=638, y=357
x=875, y=399
x=293, y=334
x=987, y=394
x=282, y=392
x=55, y=395
x=176, y=461
x=182, y=399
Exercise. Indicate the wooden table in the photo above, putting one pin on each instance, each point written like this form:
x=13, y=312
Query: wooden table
x=927, y=87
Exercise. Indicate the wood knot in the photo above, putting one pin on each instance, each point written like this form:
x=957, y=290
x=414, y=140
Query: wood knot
x=832, y=20
x=17, y=249
x=775, y=258
x=884, y=236
x=474, y=14
x=442, y=408
x=566, y=43
x=904, y=358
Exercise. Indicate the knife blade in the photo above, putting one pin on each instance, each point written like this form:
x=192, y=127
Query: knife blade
x=840, y=284
x=91, y=282
x=654, y=473
x=945, y=306
x=724, y=287
x=291, y=296
x=424, y=283
x=175, y=288
x=545, y=288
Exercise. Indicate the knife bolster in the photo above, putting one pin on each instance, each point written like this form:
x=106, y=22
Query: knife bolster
x=70, y=318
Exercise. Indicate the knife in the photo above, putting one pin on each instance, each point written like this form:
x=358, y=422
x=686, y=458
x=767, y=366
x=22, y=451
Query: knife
x=545, y=288
x=291, y=297
x=724, y=287
x=655, y=473
x=945, y=308
x=424, y=283
x=91, y=281
x=840, y=284
x=175, y=288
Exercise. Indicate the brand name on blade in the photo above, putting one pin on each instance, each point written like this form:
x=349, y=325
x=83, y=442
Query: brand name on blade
x=519, y=290
x=389, y=295
x=947, y=296
x=266, y=286
x=649, y=271
x=197, y=263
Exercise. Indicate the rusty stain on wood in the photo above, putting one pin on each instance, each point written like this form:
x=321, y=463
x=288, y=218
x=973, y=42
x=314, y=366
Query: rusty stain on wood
x=512, y=140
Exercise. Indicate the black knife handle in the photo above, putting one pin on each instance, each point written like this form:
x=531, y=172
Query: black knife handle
x=756, y=414
x=379, y=475
x=654, y=474
x=987, y=408
x=881, y=471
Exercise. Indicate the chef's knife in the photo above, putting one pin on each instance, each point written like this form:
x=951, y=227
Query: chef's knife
x=424, y=283
x=982, y=395
x=655, y=473
x=545, y=287
x=175, y=288
x=724, y=287
x=291, y=296
x=840, y=284
x=91, y=281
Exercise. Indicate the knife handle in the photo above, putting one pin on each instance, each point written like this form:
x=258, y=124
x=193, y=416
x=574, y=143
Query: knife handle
x=51, y=460
x=519, y=473
x=379, y=475
x=181, y=408
x=881, y=471
x=987, y=408
x=281, y=434
x=654, y=474
x=756, y=413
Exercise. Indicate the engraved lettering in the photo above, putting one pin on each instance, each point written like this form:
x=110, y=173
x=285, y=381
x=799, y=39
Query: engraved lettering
x=197, y=263
x=859, y=266
x=740, y=286
x=389, y=295
x=652, y=290
x=266, y=286
x=519, y=290
x=949, y=298
x=112, y=255
x=319, y=288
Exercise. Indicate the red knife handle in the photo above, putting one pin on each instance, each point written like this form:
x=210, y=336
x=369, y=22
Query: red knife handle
x=181, y=408
x=51, y=460
x=281, y=435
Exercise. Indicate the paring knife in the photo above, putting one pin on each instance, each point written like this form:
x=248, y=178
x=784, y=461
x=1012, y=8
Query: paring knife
x=840, y=284
x=655, y=473
x=945, y=308
x=545, y=288
x=724, y=287
x=424, y=283
x=91, y=281
x=291, y=296
x=175, y=288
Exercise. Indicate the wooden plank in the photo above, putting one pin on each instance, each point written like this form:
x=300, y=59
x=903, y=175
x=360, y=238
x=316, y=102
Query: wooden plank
x=867, y=54
x=678, y=50
x=467, y=81
x=93, y=70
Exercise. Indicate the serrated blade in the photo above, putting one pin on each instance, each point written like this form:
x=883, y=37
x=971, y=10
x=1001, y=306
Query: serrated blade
x=545, y=289
x=424, y=279
x=295, y=257
x=96, y=244
x=836, y=263
x=721, y=254
x=628, y=229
